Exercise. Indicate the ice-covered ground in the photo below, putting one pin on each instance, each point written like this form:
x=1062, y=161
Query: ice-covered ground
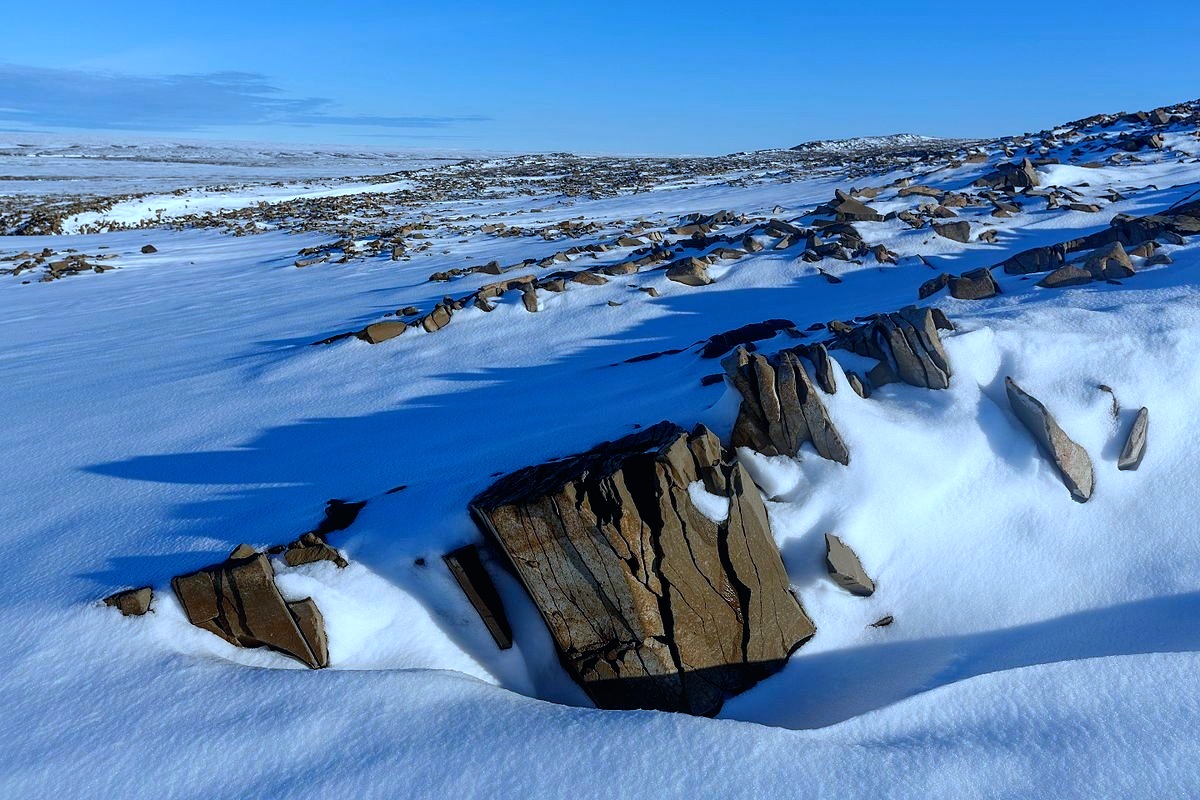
x=165, y=411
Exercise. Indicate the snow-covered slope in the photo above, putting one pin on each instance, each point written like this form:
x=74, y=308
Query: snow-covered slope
x=173, y=406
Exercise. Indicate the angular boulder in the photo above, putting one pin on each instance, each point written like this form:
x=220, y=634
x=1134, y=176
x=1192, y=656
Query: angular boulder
x=978, y=284
x=652, y=601
x=378, y=332
x=1135, y=442
x=845, y=568
x=1072, y=461
x=238, y=601
x=781, y=409
x=689, y=271
x=1109, y=263
x=131, y=602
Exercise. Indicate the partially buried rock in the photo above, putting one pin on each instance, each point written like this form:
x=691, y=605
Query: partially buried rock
x=378, y=332
x=310, y=548
x=238, y=601
x=1063, y=277
x=1110, y=263
x=978, y=284
x=955, y=231
x=131, y=602
x=652, y=601
x=1135, y=442
x=1072, y=461
x=689, y=271
x=845, y=568
x=149, y=248
x=908, y=340
x=781, y=409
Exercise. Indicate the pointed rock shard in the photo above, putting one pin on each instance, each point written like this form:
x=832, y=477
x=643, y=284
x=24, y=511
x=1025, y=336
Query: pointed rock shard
x=819, y=356
x=651, y=603
x=238, y=601
x=131, y=602
x=845, y=568
x=1072, y=460
x=468, y=570
x=1135, y=443
x=781, y=409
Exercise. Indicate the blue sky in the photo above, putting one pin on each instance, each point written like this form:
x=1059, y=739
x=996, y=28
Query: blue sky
x=694, y=77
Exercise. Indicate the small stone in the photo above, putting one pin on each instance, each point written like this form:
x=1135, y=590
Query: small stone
x=883, y=622
x=845, y=568
x=149, y=248
x=131, y=602
x=1135, y=442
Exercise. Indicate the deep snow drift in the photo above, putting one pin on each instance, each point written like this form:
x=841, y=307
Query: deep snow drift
x=172, y=407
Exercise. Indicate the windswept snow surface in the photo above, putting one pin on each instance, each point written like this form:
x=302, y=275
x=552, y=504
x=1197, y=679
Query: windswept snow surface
x=163, y=412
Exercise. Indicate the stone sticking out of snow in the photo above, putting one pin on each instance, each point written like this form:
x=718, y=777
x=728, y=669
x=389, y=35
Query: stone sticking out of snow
x=1072, y=460
x=1135, y=442
x=845, y=567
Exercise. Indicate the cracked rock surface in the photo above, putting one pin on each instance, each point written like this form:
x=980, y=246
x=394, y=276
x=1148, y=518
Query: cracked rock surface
x=651, y=603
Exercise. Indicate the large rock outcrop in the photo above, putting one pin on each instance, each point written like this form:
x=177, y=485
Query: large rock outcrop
x=1072, y=461
x=238, y=601
x=781, y=409
x=652, y=601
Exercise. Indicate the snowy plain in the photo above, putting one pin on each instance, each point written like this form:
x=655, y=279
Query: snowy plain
x=163, y=412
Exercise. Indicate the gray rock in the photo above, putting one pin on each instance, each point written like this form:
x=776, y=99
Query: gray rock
x=1135, y=442
x=1072, y=461
x=845, y=568
x=650, y=603
x=908, y=340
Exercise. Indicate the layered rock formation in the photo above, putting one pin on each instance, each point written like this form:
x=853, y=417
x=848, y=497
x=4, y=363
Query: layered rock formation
x=652, y=602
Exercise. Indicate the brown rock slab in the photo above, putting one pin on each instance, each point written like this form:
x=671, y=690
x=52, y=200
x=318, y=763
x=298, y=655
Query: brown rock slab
x=310, y=548
x=378, y=332
x=1135, y=442
x=468, y=570
x=845, y=568
x=1072, y=461
x=650, y=603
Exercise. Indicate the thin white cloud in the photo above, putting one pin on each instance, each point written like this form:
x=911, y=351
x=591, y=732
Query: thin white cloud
x=63, y=98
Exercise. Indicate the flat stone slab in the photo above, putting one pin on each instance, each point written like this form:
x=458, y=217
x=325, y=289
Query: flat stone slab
x=1072, y=461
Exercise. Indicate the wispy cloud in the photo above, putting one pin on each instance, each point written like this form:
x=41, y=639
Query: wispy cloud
x=63, y=98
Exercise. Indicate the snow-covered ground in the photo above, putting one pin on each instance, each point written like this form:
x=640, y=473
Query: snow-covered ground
x=165, y=411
